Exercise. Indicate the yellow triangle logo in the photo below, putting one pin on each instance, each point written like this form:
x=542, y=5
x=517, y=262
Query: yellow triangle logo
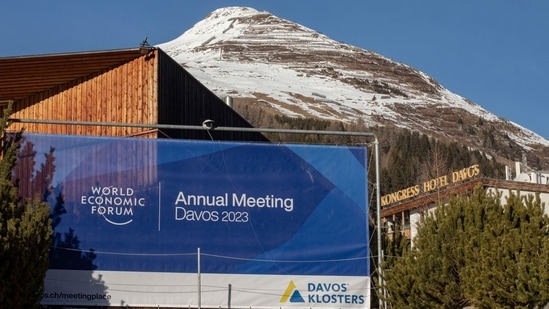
x=288, y=292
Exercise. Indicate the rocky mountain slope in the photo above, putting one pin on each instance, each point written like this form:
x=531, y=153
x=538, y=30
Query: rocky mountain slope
x=263, y=60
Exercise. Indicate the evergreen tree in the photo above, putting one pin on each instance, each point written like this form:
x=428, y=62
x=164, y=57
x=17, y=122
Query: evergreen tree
x=476, y=251
x=395, y=246
x=507, y=263
x=24, y=232
x=400, y=283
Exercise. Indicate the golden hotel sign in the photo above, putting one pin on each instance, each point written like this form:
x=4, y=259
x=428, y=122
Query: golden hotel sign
x=430, y=185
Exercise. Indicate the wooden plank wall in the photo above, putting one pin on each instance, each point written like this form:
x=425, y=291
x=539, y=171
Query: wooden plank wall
x=123, y=94
x=153, y=89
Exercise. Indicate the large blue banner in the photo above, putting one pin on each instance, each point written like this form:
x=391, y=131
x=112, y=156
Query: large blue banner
x=149, y=205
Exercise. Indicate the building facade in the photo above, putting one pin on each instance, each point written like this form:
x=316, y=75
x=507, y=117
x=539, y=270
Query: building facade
x=130, y=86
x=407, y=212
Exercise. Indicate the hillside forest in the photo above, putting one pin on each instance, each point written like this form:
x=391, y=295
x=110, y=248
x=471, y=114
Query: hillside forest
x=406, y=157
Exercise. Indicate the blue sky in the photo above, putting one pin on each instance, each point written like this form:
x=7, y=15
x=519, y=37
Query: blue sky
x=494, y=53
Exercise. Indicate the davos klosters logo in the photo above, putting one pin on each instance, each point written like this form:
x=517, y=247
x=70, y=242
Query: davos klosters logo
x=115, y=204
x=322, y=293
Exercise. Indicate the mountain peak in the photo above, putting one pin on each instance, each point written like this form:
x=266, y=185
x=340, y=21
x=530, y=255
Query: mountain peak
x=232, y=11
x=286, y=68
x=236, y=25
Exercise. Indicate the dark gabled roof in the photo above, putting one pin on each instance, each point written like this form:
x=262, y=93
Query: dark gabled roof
x=22, y=76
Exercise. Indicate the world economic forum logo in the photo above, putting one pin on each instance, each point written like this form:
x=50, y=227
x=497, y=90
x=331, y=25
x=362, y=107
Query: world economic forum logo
x=115, y=204
x=292, y=294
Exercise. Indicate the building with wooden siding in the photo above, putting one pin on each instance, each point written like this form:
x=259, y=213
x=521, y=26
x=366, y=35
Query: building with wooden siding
x=135, y=86
x=64, y=93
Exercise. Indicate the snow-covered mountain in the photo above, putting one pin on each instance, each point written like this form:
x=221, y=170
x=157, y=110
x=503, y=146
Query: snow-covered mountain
x=258, y=58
